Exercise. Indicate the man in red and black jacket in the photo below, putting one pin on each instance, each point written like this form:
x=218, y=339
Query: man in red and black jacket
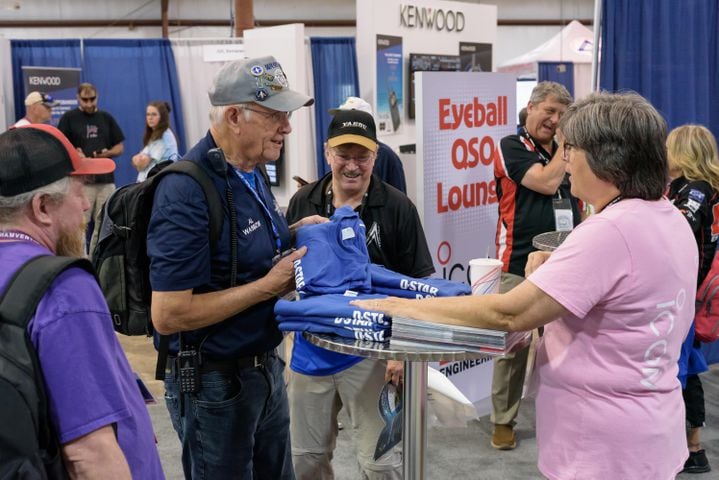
x=533, y=198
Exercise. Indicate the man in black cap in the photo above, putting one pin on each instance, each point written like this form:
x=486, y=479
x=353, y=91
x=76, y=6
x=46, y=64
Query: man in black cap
x=216, y=301
x=322, y=380
x=95, y=407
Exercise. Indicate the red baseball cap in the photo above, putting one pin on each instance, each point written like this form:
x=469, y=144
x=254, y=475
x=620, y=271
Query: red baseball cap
x=32, y=156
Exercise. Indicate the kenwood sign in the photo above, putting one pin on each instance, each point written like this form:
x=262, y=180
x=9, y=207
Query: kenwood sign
x=36, y=80
x=412, y=16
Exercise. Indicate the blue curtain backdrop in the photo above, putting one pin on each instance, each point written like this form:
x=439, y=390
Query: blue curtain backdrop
x=334, y=64
x=560, y=72
x=127, y=73
x=666, y=51
x=39, y=53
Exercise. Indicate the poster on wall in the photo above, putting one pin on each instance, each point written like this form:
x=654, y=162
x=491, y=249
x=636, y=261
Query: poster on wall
x=461, y=117
x=475, y=57
x=60, y=83
x=389, y=84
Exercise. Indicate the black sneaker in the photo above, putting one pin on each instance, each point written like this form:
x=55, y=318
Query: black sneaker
x=697, y=463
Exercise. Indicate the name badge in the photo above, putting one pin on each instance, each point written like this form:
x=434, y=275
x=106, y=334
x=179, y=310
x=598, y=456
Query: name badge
x=563, y=216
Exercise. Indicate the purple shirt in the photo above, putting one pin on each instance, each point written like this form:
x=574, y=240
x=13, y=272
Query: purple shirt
x=89, y=382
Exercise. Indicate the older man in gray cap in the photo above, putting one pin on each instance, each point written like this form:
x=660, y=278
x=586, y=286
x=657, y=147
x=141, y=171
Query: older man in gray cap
x=224, y=385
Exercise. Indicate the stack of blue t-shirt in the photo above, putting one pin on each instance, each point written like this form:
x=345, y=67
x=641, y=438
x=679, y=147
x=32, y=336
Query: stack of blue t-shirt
x=336, y=258
x=334, y=271
x=333, y=313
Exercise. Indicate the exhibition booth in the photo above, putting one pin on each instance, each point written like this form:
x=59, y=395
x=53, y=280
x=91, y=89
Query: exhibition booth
x=423, y=67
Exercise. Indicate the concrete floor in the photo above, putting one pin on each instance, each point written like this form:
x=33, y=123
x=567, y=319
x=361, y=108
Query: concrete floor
x=453, y=453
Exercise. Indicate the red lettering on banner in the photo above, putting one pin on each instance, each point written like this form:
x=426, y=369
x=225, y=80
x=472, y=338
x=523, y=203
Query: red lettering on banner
x=466, y=196
x=468, y=154
x=473, y=114
x=443, y=112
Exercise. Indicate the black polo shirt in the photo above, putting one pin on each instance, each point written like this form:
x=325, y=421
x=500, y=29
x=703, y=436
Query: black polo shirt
x=395, y=238
x=523, y=213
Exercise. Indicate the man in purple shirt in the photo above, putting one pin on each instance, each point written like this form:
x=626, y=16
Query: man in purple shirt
x=95, y=404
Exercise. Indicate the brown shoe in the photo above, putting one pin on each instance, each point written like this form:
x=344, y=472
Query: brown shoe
x=503, y=437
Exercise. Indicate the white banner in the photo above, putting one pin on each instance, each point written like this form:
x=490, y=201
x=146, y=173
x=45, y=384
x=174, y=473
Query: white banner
x=461, y=117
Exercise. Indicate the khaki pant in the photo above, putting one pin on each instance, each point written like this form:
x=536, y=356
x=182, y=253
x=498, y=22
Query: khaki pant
x=509, y=373
x=314, y=404
x=96, y=194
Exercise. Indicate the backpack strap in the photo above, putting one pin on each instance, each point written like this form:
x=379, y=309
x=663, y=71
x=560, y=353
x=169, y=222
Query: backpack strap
x=214, y=201
x=216, y=212
x=17, y=306
x=29, y=284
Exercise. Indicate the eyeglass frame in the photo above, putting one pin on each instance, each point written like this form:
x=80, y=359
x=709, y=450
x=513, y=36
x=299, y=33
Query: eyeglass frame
x=360, y=162
x=277, y=116
x=566, y=148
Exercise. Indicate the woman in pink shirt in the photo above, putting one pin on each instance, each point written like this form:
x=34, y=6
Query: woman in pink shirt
x=616, y=299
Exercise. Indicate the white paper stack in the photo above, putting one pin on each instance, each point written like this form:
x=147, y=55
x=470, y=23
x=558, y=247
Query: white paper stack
x=407, y=332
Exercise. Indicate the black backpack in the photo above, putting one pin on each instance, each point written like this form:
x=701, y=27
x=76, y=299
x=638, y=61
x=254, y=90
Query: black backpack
x=29, y=447
x=120, y=256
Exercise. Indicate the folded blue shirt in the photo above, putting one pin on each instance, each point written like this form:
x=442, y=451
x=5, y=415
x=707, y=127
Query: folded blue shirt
x=324, y=308
x=309, y=359
x=299, y=324
x=387, y=282
x=336, y=258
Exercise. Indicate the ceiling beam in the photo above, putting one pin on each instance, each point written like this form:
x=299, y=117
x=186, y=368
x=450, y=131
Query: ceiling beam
x=224, y=23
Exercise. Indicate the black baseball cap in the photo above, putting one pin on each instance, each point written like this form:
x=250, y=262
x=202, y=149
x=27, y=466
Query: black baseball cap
x=352, y=126
x=36, y=155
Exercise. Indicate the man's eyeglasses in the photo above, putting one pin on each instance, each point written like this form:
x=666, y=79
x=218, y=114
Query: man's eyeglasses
x=275, y=116
x=346, y=158
x=566, y=148
x=88, y=99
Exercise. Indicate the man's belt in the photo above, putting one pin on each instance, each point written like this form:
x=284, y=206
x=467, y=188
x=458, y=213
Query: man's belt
x=230, y=364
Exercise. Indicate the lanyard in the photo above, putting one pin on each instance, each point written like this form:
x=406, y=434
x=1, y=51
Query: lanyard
x=255, y=193
x=612, y=202
x=15, y=235
x=544, y=159
x=534, y=145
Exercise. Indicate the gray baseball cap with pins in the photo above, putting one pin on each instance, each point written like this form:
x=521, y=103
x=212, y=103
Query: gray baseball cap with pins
x=256, y=80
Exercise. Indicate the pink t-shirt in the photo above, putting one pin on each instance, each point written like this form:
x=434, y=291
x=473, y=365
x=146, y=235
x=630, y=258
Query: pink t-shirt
x=609, y=404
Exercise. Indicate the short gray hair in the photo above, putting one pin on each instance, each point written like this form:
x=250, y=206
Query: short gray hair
x=623, y=137
x=217, y=113
x=545, y=89
x=12, y=207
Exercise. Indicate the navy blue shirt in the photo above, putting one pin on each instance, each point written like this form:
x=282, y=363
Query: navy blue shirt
x=182, y=258
x=388, y=167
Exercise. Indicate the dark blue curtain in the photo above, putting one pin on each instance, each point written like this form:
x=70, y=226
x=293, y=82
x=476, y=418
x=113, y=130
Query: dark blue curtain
x=39, y=53
x=666, y=51
x=128, y=74
x=334, y=65
x=560, y=72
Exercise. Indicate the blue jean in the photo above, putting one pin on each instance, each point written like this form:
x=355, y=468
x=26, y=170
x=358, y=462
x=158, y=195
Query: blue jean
x=236, y=426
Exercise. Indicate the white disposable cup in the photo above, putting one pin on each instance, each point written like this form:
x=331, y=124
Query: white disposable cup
x=484, y=275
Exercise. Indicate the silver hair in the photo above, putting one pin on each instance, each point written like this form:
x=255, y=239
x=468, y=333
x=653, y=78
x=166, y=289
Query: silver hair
x=12, y=207
x=545, y=89
x=217, y=114
x=623, y=137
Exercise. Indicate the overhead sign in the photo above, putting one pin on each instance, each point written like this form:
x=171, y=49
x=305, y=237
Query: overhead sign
x=60, y=83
